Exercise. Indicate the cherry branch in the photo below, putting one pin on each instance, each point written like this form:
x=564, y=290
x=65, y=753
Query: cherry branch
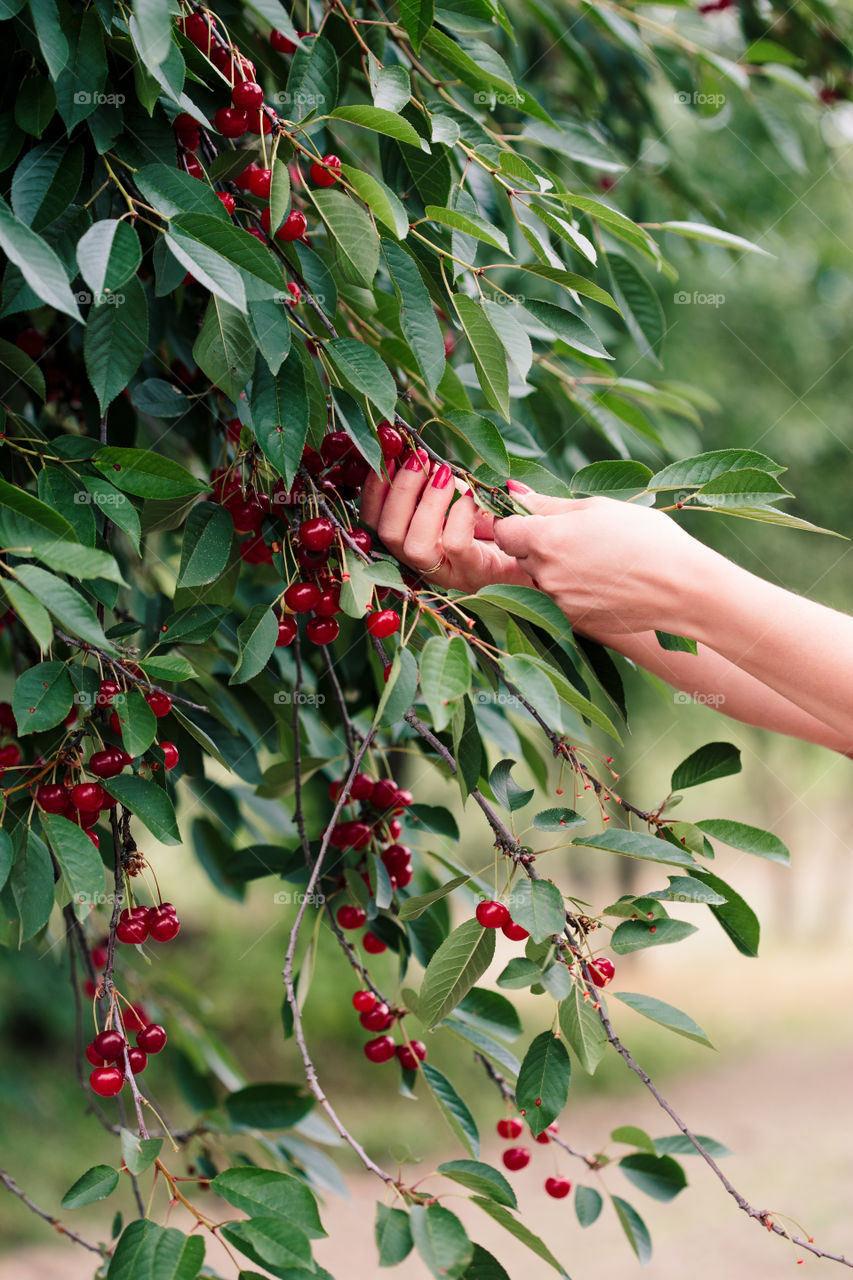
x=110, y=659
x=11, y=1185
x=508, y=1095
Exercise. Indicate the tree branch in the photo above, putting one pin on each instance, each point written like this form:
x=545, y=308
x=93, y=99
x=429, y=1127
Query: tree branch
x=11, y=1185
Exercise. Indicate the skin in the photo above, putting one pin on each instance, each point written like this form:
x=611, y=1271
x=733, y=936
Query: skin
x=618, y=571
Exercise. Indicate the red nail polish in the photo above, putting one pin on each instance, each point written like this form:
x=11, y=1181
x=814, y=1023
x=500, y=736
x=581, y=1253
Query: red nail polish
x=416, y=460
x=515, y=486
x=442, y=477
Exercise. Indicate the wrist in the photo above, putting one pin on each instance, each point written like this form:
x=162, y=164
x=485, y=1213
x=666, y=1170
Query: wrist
x=705, y=582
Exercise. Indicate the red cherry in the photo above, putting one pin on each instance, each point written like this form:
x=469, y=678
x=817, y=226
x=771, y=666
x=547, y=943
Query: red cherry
x=168, y=908
x=516, y=1157
x=411, y=1055
x=231, y=122
x=335, y=445
x=492, y=915
x=400, y=879
x=94, y=1058
x=356, y=470
x=295, y=293
x=601, y=971
x=99, y=957
x=135, y=1018
x=95, y=838
x=286, y=631
x=259, y=184
x=10, y=755
x=7, y=717
x=514, y=931
x=384, y=623
x=233, y=429
x=195, y=170
x=293, y=227
x=382, y=1049
x=107, y=1081
x=379, y=1018
x=402, y=800
x=51, y=797
x=160, y=703
x=247, y=95
x=301, y=597
x=138, y=1060
x=88, y=796
x=132, y=928
x=395, y=829
x=170, y=751
x=255, y=551
x=228, y=202
x=31, y=342
x=197, y=29
x=163, y=925
x=449, y=344
x=362, y=539
x=151, y=1038
x=559, y=1188
x=81, y=817
x=326, y=174
x=259, y=122
x=397, y=857
x=246, y=512
x=509, y=1128
x=546, y=1134
x=390, y=441
x=383, y=794
x=373, y=946
x=106, y=764
x=281, y=43
x=108, y=1045
x=327, y=606
x=322, y=630
x=350, y=917
x=363, y=1001
x=317, y=534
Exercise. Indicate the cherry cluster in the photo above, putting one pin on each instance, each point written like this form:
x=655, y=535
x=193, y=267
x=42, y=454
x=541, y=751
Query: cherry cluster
x=516, y=1158
x=137, y=924
x=495, y=915
x=109, y=1048
x=375, y=1015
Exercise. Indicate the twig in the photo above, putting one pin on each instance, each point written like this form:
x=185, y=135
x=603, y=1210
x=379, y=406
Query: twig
x=119, y=666
x=11, y=1185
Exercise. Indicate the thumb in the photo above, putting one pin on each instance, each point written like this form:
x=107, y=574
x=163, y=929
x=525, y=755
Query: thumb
x=538, y=503
x=518, y=535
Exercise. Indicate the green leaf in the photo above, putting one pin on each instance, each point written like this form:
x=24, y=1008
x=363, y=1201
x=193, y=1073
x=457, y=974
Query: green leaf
x=506, y=790
x=639, y=305
x=31, y=882
x=268, y=1193
x=268, y=1106
x=483, y=436
x=635, y=935
x=281, y=414
x=380, y=120
x=139, y=1153
x=270, y=329
x=83, y=80
x=527, y=603
x=519, y=973
x=418, y=17
x=173, y=192
x=36, y=511
x=272, y=1243
x=402, y=687
x=693, y=473
x=154, y=23
x=312, y=85
x=588, y=1204
x=569, y=328
x=353, y=234
x=482, y=1178
x=666, y=1014
x=53, y=44
x=362, y=369
x=737, y=918
x=676, y=644
x=417, y=316
x=391, y=87
x=699, y=231
x=414, y=907
x=149, y=1252
x=441, y=1240
x=557, y=820
x=256, y=636
x=636, y=844
x=138, y=723
x=543, y=1081
x=490, y=1011
x=349, y=415
x=635, y=1229
x=42, y=697
x=78, y=859
x=6, y=857
x=537, y=905
x=69, y=608
x=519, y=1230
x=146, y=474
x=686, y=889
x=484, y=1266
x=572, y=283
x=445, y=675
x=159, y=399
x=470, y=224
x=194, y=625
x=764, y=844
x=45, y=183
x=461, y=959
x=37, y=262
x=487, y=351
x=715, y=760
x=95, y=1184
x=116, y=340
x=19, y=368
x=678, y=1144
x=582, y=1028
x=393, y=1235
x=149, y=803
x=453, y=1108
x=225, y=347
x=659, y=1176
x=206, y=545
x=747, y=487
x=33, y=614
x=382, y=202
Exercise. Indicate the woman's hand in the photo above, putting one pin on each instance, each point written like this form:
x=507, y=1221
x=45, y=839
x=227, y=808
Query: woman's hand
x=451, y=546
x=612, y=567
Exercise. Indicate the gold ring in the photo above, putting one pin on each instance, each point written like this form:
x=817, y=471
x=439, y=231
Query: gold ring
x=437, y=566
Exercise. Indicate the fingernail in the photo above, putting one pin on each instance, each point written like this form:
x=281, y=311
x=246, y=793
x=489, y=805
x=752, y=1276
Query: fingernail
x=515, y=486
x=416, y=460
x=442, y=477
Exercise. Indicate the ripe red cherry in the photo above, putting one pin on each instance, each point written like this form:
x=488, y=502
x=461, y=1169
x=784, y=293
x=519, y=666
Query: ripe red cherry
x=229, y=204
x=108, y=1045
x=95, y=838
x=88, y=796
x=384, y=623
x=197, y=29
x=384, y=793
x=362, y=539
x=335, y=445
x=106, y=764
x=301, y=597
x=293, y=227
x=135, y=1018
x=546, y=1134
x=7, y=717
x=259, y=184
x=106, y=693
x=151, y=1038
x=317, y=534
x=322, y=630
x=163, y=924
x=170, y=751
x=99, y=957
x=327, y=606
x=514, y=931
x=132, y=928
x=242, y=179
x=295, y=293
x=31, y=342
x=363, y=1001
x=390, y=441
x=286, y=631
x=247, y=513
x=326, y=173
x=280, y=42
x=492, y=915
x=231, y=122
x=379, y=1018
x=160, y=703
x=382, y=1049
x=601, y=971
x=92, y=1057
x=510, y=1127
x=51, y=797
x=350, y=917
x=396, y=857
x=138, y=1060
x=107, y=1081
x=516, y=1157
x=10, y=755
x=559, y=1188
x=247, y=95
x=259, y=122
x=373, y=946
x=395, y=829
x=411, y=1055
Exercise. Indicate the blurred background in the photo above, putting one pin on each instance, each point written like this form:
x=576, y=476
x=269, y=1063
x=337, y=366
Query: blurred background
x=774, y=354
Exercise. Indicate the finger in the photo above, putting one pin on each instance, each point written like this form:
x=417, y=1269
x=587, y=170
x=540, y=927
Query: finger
x=458, y=536
x=423, y=543
x=519, y=536
x=401, y=500
x=484, y=526
x=538, y=503
x=374, y=493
